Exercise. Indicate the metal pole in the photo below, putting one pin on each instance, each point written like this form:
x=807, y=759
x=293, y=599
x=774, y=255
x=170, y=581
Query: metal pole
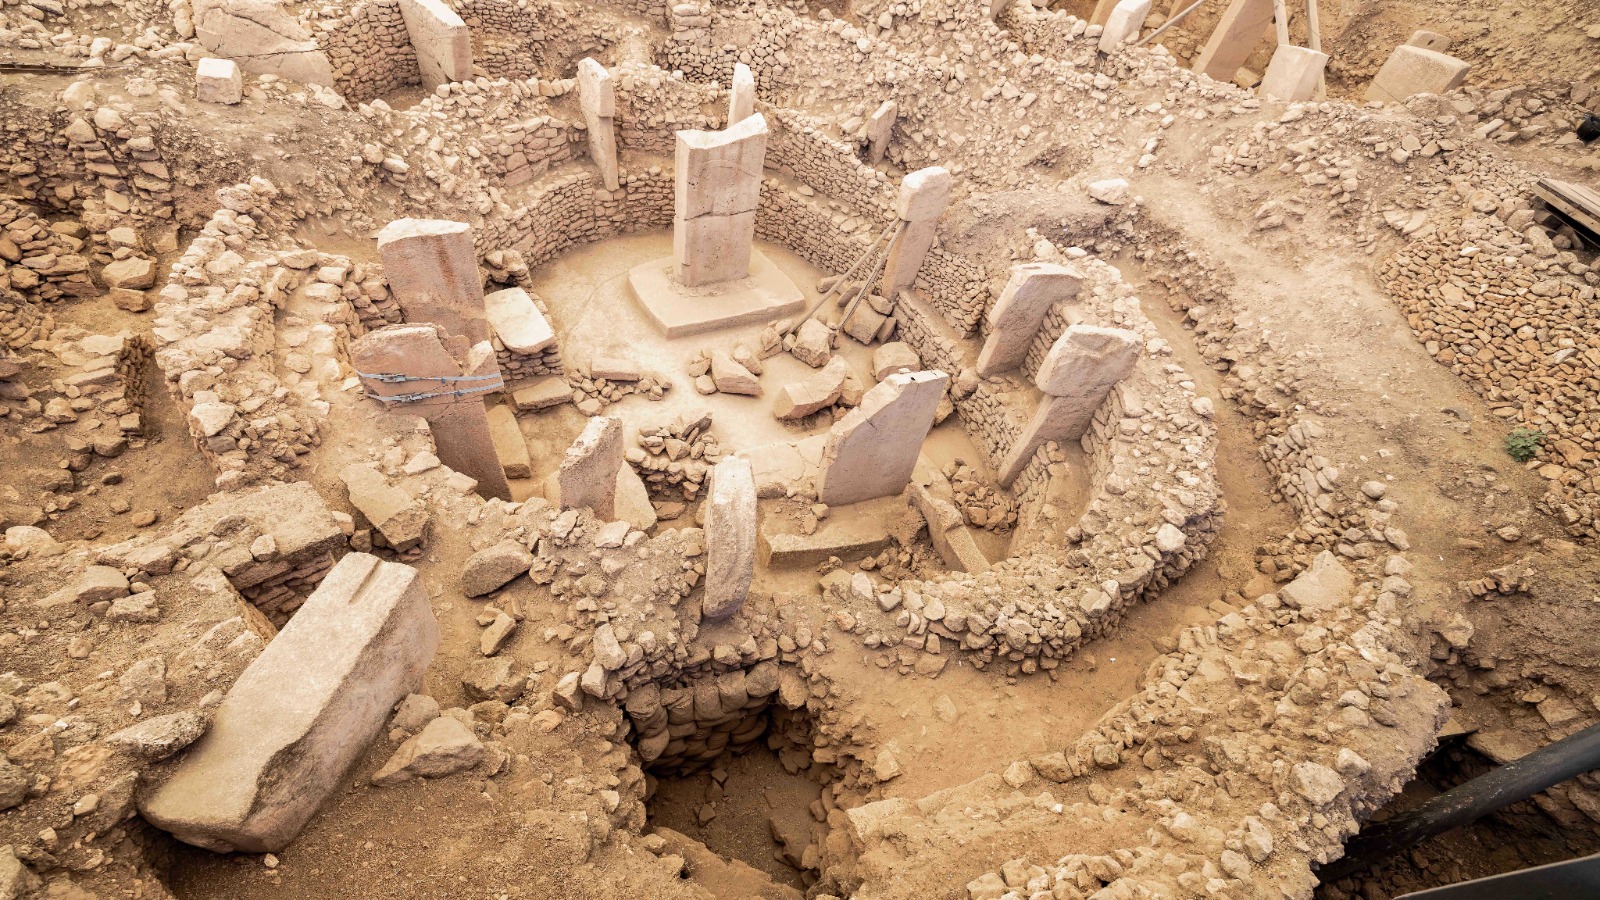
x=1170, y=22
x=1516, y=780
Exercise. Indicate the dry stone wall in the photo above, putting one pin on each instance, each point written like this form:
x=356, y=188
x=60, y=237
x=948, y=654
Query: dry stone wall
x=370, y=50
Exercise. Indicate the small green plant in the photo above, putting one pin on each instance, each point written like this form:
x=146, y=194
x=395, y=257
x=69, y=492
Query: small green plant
x=1523, y=443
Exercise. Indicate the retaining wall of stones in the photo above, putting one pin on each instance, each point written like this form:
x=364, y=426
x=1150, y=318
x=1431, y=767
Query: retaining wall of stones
x=370, y=50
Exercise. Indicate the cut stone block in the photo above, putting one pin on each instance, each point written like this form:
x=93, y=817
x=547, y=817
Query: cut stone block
x=894, y=357
x=815, y=392
x=873, y=450
x=218, y=81
x=517, y=321
x=1123, y=24
x=398, y=516
x=264, y=38
x=730, y=535
x=1414, y=70
x=716, y=190
x=732, y=378
x=441, y=40
x=433, y=273
x=134, y=273
x=1015, y=319
x=778, y=468
x=851, y=531
x=588, y=473
x=767, y=294
x=542, y=392
x=303, y=712
x=1429, y=40
x=1294, y=74
x=509, y=444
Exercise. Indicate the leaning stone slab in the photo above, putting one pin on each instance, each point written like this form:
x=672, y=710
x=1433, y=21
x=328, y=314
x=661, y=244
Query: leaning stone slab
x=1414, y=70
x=303, y=712
x=441, y=40
x=517, y=321
x=872, y=451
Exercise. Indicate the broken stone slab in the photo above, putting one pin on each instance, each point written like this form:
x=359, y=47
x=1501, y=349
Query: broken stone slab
x=1111, y=191
x=218, y=81
x=815, y=392
x=442, y=42
x=613, y=369
x=433, y=273
x=159, y=737
x=847, y=532
x=134, y=273
x=932, y=495
x=444, y=747
x=1325, y=585
x=542, y=393
x=789, y=465
x=517, y=321
x=588, y=474
x=717, y=187
x=895, y=356
x=873, y=450
x=1126, y=18
x=509, y=444
x=398, y=516
x=732, y=378
x=263, y=38
x=1415, y=70
x=492, y=567
x=303, y=712
x=1294, y=75
x=1016, y=317
x=730, y=536
x=633, y=500
x=813, y=344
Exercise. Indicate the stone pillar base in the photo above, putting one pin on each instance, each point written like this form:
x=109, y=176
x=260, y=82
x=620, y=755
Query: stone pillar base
x=679, y=310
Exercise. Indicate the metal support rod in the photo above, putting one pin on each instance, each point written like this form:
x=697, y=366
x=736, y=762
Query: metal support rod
x=892, y=229
x=867, y=286
x=1170, y=22
x=1516, y=780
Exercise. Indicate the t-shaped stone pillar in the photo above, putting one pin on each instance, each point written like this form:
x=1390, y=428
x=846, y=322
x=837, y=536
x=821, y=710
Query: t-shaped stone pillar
x=742, y=97
x=717, y=189
x=433, y=273
x=924, y=195
x=730, y=536
x=873, y=450
x=441, y=40
x=1236, y=34
x=599, y=116
x=880, y=126
x=460, y=424
x=1017, y=316
x=1082, y=367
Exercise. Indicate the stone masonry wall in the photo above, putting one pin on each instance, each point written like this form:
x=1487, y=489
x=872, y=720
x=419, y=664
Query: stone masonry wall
x=370, y=50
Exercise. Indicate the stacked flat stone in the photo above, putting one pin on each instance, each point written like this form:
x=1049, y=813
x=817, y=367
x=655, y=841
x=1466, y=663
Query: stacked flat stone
x=369, y=49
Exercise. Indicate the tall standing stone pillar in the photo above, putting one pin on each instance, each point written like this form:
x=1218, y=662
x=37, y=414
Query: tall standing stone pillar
x=730, y=535
x=599, y=102
x=880, y=127
x=1082, y=367
x=873, y=450
x=433, y=273
x=441, y=40
x=588, y=474
x=718, y=187
x=1017, y=316
x=924, y=195
x=460, y=424
x=742, y=98
x=1236, y=34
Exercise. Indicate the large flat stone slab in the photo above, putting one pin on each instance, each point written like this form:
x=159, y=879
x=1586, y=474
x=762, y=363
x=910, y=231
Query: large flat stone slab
x=848, y=531
x=303, y=712
x=678, y=310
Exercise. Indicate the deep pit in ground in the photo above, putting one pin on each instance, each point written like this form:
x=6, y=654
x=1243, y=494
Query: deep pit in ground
x=758, y=802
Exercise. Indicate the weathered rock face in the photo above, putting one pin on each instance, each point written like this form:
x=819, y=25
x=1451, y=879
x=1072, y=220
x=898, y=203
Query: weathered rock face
x=303, y=712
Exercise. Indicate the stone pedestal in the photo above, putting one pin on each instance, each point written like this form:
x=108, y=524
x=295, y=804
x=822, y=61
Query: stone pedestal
x=924, y=196
x=599, y=102
x=460, y=425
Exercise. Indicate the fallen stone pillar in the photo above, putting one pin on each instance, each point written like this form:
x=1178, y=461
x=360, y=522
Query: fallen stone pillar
x=441, y=40
x=1015, y=319
x=933, y=496
x=742, y=96
x=588, y=474
x=517, y=321
x=718, y=187
x=730, y=535
x=880, y=126
x=1082, y=367
x=924, y=195
x=1294, y=74
x=433, y=272
x=1236, y=34
x=1414, y=70
x=509, y=443
x=873, y=450
x=1123, y=24
x=460, y=424
x=599, y=101
x=303, y=712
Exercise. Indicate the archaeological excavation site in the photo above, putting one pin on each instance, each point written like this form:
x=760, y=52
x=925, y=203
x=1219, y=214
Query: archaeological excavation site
x=799, y=449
